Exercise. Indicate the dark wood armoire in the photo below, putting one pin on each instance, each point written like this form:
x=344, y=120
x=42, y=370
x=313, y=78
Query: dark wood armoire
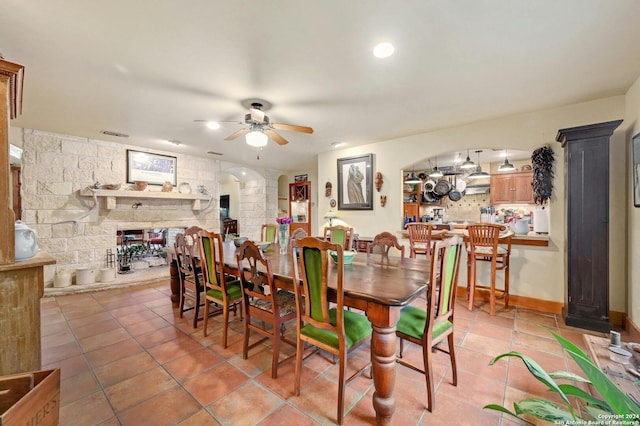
x=586, y=160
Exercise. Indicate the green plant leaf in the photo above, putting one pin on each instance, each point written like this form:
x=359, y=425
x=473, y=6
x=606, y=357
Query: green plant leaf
x=598, y=413
x=567, y=375
x=545, y=410
x=539, y=373
x=502, y=409
x=587, y=397
x=619, y=402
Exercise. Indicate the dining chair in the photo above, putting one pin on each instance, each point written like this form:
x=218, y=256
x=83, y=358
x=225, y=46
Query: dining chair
x=383, y=243
x=263, y=303
x=331, y=329
x=298, y=233
x=429, y=327
x=222, y=290
x=190, y=277
x=339, y=234
x=420, y=238
x=269, y=232
x=483, y=246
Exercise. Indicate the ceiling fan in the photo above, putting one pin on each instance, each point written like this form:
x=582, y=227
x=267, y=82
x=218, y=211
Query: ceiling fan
x=261, y=128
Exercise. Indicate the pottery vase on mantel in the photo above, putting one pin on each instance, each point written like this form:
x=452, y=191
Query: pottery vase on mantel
x=167, y=187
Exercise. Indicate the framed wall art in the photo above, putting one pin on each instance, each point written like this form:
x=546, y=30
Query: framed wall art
x=301, y=178
x=155, y=169
x=635, y=145
x=355, y=183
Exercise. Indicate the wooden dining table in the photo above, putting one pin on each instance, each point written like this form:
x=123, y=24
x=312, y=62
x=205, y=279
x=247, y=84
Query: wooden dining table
x=380, y=290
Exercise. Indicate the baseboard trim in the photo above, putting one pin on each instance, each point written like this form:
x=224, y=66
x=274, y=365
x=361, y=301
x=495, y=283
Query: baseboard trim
x=540, y=305
x=550, y=307
x=632, y=329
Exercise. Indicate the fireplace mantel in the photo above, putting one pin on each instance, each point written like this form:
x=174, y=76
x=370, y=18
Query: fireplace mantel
x=111, y=196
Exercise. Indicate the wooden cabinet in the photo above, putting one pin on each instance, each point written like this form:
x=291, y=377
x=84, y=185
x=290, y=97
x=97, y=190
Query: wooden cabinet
x=22, y=283
x=586, y=157
x=512, y=188
x=300, y=206
x=412, y=209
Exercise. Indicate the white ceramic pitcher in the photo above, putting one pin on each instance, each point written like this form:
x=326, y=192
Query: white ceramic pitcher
x=26, y=241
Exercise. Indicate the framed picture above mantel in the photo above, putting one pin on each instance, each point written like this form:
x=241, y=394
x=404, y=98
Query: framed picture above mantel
x=355, y=182
x=155, y=169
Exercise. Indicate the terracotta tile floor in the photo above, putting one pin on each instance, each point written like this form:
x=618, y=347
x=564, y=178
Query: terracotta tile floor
x=127, y=358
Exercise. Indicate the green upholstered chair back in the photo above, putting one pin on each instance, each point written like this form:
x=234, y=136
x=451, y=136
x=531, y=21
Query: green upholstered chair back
x=269, y=232
x=444, y=274
x=314, y=270
x=338, y=234
x=211, y=258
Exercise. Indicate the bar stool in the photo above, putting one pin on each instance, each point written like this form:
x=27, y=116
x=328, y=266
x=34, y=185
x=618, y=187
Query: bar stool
x=483, y=246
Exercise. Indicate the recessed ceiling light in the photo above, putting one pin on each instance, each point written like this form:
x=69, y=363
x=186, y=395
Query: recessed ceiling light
x=337, y=144
x=213, y=125
x=383, y=50
x=175, y=142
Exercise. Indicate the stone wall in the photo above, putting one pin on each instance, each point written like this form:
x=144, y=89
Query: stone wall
x=258, y=204
x=56, y=167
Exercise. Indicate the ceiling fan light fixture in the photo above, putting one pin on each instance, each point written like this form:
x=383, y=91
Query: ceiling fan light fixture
x=213, y=125
x=256, y=139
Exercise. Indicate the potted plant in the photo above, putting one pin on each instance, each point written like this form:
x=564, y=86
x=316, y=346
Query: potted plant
x=614, y=405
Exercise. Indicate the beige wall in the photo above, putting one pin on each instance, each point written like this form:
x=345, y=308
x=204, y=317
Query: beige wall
x=632, y=118
x=537, y=272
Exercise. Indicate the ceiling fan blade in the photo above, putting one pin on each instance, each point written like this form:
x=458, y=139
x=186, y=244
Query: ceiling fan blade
x=292, y=127
x=237, y=134
x=257, y=115
x=276, y=137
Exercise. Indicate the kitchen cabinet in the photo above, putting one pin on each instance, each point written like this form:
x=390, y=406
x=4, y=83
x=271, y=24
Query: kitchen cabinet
x=512, y=188
x=586, y=158
x=300, y=206
x=412, y=209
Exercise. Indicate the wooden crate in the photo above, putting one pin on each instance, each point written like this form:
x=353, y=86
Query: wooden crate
x=30, y=398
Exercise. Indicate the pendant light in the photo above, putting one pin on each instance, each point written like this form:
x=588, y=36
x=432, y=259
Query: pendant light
x=435, y=173
x=506, y=166
x=411, y=178
x=479, y=174
x=467, y=164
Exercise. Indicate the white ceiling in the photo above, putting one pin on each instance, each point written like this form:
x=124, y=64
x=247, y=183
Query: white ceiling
x=150, y=68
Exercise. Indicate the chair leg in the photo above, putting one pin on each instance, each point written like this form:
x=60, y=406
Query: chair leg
x=507, y=269
x=427, y=354
x=245, y=343
x=298, y=371
x=341, y=386
x=492, y=292
x=225, y=324
x=275, y=354
x=472, y=282
x=452, y=356
x=196, y=309
x=206, y=315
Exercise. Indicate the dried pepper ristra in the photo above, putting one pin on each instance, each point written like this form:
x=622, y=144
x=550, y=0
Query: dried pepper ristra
x=542, y=164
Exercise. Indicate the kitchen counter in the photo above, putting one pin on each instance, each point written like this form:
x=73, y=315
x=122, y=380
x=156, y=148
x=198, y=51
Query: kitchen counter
x=531, y=239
